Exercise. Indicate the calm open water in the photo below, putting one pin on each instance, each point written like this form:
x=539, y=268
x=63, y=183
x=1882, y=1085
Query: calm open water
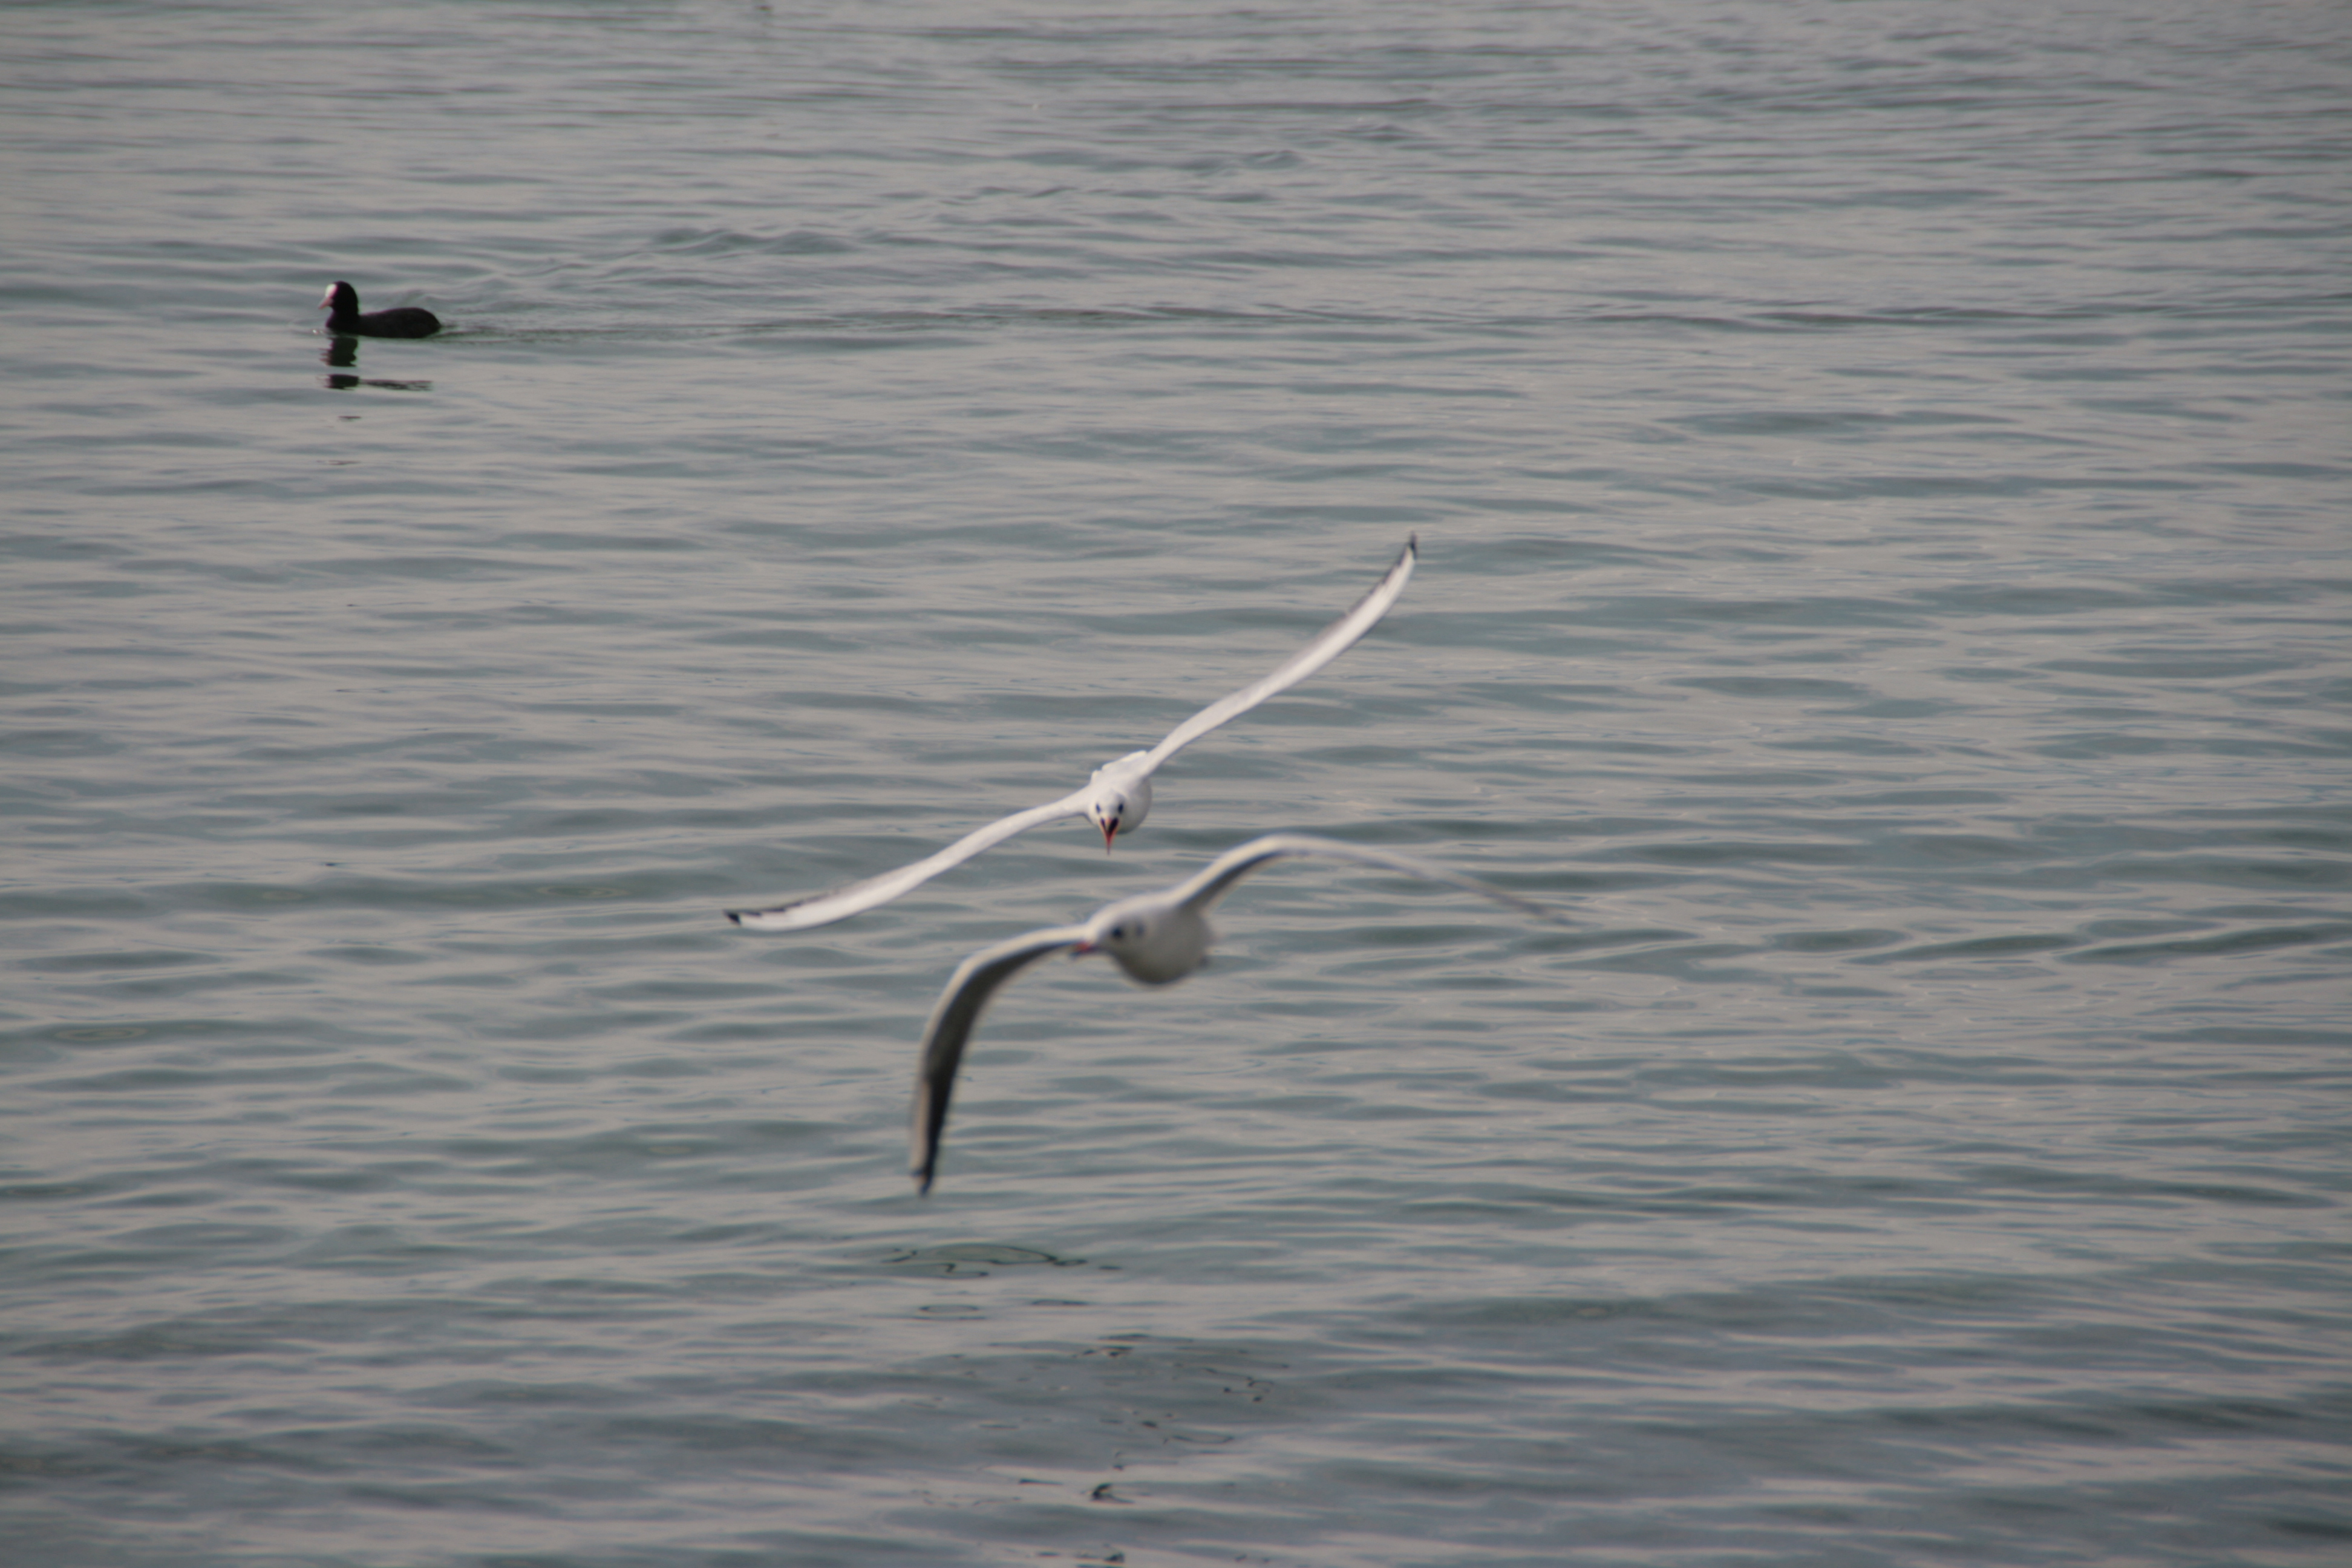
x=1881, y=474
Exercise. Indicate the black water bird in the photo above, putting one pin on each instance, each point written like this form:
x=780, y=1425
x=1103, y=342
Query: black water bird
x=344, y=318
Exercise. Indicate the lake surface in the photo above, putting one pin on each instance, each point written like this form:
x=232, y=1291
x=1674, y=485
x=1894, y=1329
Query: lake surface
x=1881, y=478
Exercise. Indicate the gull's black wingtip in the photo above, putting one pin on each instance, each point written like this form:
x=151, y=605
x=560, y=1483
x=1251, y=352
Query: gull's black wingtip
x=734, y=917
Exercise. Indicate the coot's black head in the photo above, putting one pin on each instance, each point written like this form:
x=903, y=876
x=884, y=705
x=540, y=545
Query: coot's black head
x=342, y=300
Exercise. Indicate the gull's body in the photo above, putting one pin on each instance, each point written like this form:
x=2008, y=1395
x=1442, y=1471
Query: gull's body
x=1157, y=938
x=1117, y=797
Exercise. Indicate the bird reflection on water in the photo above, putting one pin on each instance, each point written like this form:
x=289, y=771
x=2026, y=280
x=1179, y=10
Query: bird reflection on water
x=344, y=353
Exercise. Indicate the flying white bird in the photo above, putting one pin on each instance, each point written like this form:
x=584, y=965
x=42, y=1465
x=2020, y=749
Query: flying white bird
x=1158, y=937
x=1118, y=797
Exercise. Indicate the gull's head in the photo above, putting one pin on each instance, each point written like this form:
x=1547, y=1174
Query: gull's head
x=1120, y=799
x=1115, y=932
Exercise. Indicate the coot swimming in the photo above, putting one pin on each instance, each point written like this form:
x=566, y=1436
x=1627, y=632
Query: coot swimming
x=345, y=319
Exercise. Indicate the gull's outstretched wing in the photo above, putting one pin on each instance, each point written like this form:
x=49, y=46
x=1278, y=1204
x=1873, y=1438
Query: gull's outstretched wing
x=1200, y=892
x=974, y=982
x=1330, y=644
x=824, y=909
x=979, y=976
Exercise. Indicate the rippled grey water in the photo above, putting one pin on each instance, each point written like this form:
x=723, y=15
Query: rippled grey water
x=1881, y=477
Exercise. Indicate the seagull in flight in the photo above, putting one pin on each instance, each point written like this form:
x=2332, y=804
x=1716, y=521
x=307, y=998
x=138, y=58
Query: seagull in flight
x=1158, y=937
x=1117, y=797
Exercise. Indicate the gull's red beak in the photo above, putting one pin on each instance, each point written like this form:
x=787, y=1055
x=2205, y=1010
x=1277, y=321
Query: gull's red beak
x=1110, y=831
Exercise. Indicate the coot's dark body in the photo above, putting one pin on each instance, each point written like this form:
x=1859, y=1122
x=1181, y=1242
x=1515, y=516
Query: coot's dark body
x=345, y=319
